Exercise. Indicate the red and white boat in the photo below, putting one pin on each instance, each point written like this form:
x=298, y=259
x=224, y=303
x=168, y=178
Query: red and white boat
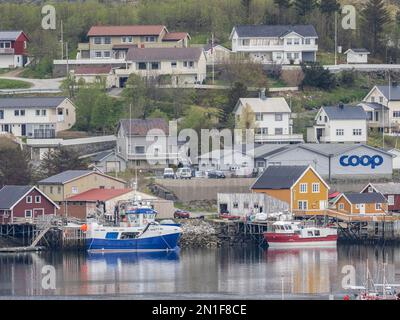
x=288, y=234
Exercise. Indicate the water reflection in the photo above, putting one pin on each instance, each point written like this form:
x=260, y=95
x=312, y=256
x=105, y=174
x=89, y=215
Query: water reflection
x=229, y=272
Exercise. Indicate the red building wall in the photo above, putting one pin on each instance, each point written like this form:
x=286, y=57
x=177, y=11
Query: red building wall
x=45, y=204
x=18, y=45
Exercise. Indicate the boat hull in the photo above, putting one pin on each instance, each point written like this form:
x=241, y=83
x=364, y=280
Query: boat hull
x=293, y=240
x=166, y=242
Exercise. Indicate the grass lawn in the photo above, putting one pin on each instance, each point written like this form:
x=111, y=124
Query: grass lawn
x=14, y=84
x=375, y=140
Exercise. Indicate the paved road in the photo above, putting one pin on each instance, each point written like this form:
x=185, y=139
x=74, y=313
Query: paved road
x=39, y=84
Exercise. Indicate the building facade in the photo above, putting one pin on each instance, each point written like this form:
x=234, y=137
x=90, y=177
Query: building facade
x=390, y=190
x=339, y=124
x=13, y=49
x=36, y=117
x=357, y=55
x=282, y=44
x=361, y=204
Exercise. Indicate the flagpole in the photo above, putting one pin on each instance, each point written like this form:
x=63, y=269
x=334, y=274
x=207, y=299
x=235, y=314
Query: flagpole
x=213, y=59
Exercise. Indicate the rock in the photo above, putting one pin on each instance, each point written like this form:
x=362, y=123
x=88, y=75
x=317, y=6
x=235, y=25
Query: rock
x=199, y=233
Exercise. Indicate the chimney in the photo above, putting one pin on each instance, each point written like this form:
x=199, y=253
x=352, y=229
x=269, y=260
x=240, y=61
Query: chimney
x=262, y=94
x=341, y=105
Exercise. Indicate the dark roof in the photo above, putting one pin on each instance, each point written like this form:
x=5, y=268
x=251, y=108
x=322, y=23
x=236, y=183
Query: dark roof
x=374, y=105
x=31, y=102
x=140, y=127
x=100, y=156
x=345, y=112
x=65, y=176
x=9, y=35
x=374, y=197
x=393, y=92
x=93, y=69
x=174, y=36
x=9, y=195
x=156, y=54
x=275, y=30
x=134, y=30
x=279, y=177
x=359, y=50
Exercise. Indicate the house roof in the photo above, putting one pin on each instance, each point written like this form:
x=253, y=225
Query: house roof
x=100, y=156
x=65, y=176
x=345, y=112
x=374, y=197
x=9, y=195
x=274, y=30
x=279, y=177
x=174, y=36
x=31, y=102
x=156, y=54
x=140, y=127
x=216, y=45
x=266, y=149
x=373, y=105
x=133, y=30
x=267, y=105
x=93, y=69
x=99, y=195
x=9, y=35
x=358, y=50
x=392, y=91
x=386, y=188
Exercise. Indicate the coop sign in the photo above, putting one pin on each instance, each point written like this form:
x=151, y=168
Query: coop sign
x=366, y=161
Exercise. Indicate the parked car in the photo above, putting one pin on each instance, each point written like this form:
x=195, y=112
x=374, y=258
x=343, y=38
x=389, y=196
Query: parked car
x=229, y=216
x=169, y=173
x=181, y=214
x=184, y=173
x=215, y=174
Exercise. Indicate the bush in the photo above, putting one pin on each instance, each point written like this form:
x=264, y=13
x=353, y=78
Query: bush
x=317, y=76
x=347, y=77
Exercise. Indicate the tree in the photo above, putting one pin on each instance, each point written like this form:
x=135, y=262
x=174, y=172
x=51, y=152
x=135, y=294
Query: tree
x=246, y=5
x=282, y=6
x=247, y=121
x=328, y=8
x=239, y=90
x=14, y=164
x=60, y=160
x=317, y=76
x=375, y=17
x=135, y=95
x=198, y=118
x=304, y=7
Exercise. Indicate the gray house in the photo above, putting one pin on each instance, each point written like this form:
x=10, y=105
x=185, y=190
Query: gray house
x=108, y=161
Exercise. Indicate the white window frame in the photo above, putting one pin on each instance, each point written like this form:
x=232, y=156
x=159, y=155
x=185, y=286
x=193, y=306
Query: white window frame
x=378, y=206
x=316, y=187
x=390, y=199
x=31, y=213
x=303, y=187
x=341, y=206
x=29, y=199
x=38, y=197
x=340, y=132
x=302, y=202
x=357, y=132
x=74, y=190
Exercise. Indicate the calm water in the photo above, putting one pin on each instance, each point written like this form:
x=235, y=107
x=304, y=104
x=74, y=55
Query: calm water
x=202, y=273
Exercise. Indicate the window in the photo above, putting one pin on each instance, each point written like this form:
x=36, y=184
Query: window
x=37, y=112
x=51, y=189
x=372, y=99
x=357, y=206
x=191, y=64
x=38, y=199
x=28, y=214
x=296, y=55
x=370, y=189
x=155, y=65
x=235, y=205
x=260, y=164
x=173, y=64
x=1, y=114
x=97, y=40
x=296, y=41
x=307, y=41
x=357, y=132
x=278, y=131
x=107, y=40
x=326, y=119
x=16, y=113
x=264, y=130
x=278, y=117
x=74, y=190
x=378, y=206
x=142, y=66
x=390, y=200
x=259, y=116
x=140, y=150
x=97, y=54
x=340, y=132
x=315, y=187
x=58, y=190
x=302, y=204
x=341, y=206
x=150, y=39
x=245, y=42
x=29, y=199
x=107, y=54
x=380, y=99
x=396, y=114
x=369, y=115
x=289, y=41
x=44, y=112
x=22, y=113
x=289, y=55
x=303, y=187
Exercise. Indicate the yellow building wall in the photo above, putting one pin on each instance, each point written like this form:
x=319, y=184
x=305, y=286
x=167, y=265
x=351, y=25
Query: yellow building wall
x=370, y=208
x=346, y=205
x=283, y=194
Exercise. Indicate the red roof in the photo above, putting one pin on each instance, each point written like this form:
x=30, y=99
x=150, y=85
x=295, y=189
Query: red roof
x=175, y=36
x=99, y=194
x=334, y=195
x=93, y=70
x=141, y=30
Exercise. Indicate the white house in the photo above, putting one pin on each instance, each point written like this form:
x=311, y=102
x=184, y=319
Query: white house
x=357, y=55
x=272, y=119
x=377, y=115
x=339, y=124
x=388, y=96
x=396, y=157
x=182, y=65
x=95, y=74
x=284, y=44
x=216, y=54
x=36, y=117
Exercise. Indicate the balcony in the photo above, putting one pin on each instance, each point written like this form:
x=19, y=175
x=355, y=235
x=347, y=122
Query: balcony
x=278, y=138
x=7, y=51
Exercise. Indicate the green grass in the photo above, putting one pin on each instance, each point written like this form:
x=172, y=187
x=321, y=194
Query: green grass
x=14, y=84
x=324, y=57
x=2, y=71
x=276, y=83
x=375, y=140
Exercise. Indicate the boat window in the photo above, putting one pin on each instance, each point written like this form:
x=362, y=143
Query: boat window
x=112, y=235
x=310, y=233
x=129, y=235
x=317, y=233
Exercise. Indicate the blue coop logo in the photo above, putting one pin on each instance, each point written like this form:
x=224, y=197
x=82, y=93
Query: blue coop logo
x=366, y=161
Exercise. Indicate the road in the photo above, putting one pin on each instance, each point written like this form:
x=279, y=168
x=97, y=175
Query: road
x=38, y=85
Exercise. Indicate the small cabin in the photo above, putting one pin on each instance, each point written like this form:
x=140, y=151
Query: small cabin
x=361, y=203
x=357, y=55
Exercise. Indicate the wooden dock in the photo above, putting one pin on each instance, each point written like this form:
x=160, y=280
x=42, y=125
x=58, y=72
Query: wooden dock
x=21, y=249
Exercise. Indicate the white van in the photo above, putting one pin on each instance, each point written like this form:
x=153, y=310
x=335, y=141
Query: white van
x=184, y=173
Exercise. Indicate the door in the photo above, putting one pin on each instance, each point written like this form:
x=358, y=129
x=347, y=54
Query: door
x=23, y=130
x=319, y=133
x=38, y=213
x=322, y=204
x=362, y=208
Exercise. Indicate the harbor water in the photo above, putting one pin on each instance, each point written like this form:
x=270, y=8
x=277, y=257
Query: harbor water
x=223, y=273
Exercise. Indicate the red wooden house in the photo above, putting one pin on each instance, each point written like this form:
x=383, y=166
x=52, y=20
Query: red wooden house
x=24, y=204
x=390, y=190
x=13, y=49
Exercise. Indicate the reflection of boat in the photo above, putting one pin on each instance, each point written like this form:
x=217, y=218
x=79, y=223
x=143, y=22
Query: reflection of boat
x=291, y=234
x=133, y=257
x=137, y=232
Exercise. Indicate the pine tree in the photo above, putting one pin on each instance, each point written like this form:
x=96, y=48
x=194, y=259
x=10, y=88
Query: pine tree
x=328, y=7
x=375, y=17
x=282, y=5
x=304, y=7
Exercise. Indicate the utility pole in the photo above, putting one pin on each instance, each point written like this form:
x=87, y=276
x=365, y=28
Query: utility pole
x=66, y=51
x=213, y=58
x=62, y=40
x=336, y=31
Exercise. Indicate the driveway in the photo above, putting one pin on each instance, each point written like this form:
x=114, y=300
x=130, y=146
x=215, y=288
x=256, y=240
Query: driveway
x=39, y=84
